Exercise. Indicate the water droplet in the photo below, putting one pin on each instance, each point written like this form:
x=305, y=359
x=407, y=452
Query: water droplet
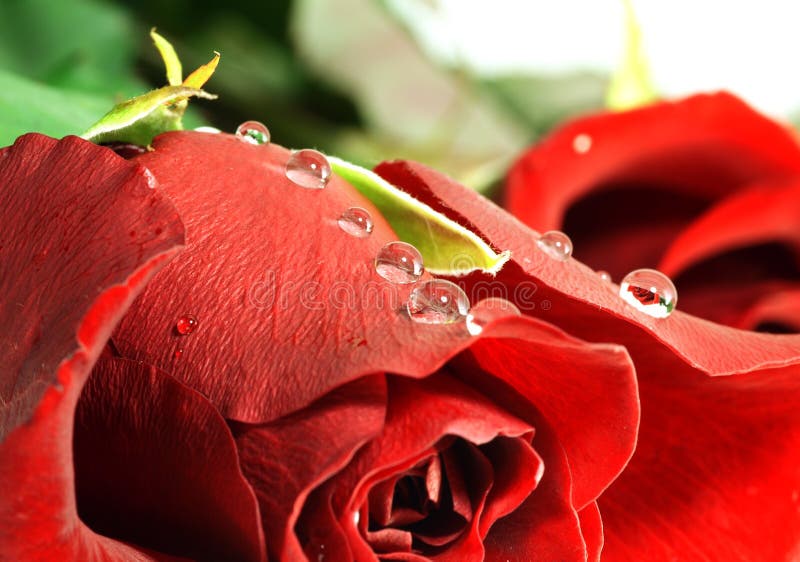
x=152, y=182
x=186, y=325
x=356, y=221
x=582, y=143
x=308, y=168
x=650, y=291
x=178, y=353
x=253, y=132
x=356, y=517
x=437, y=301
x=555, y=244
x=487, y=311
x=210, y=130
x=398, y=262
x=604, y=275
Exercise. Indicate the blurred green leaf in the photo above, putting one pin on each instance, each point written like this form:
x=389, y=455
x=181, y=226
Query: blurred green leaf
x=631, y=85
x=73, y=44
x=27, y=106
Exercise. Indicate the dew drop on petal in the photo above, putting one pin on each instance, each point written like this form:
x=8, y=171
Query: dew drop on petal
x=178, y=353
x=253, y=132
x=604, y=275
x=356, y=517
x=356, y=221
x=650, y=291
x=308, y=168
x=437, y=301
x=210, y=130
x=582, y=143
x=152, y=182
x=488, y=310
x=398, y=262
x=555, y=244
x=186, y=324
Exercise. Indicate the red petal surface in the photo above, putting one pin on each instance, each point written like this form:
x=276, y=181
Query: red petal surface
x=592, y=531
x=270, y=285
x=704, y=441
x=450, y=408
x=286, y=459
x=156, y=465
x=82, y=234
x=695, y=150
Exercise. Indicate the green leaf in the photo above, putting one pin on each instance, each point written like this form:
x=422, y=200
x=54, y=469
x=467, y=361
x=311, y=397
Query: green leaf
x=447, y=248
x=631, y=85
x=27, y=106
x=139, y=119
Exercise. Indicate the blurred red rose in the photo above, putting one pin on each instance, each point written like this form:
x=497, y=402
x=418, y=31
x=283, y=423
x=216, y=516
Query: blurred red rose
x=297, y=421
x=704, y=189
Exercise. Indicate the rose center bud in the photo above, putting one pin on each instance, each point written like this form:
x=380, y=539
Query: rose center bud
x=428, y=507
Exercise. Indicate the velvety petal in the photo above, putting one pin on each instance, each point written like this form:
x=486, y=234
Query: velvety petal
x=83, y=233
x=582, y=304
x=450, y=408
x=762, y=213
x=286, y=459
x=704, y=145
x=710, y=438
x=781, y=308
x=592, y=531
x=156, y=465
x=717, y=472
x=289, y=306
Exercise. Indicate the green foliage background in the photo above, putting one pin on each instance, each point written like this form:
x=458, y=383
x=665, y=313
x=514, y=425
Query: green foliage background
x=344, y=76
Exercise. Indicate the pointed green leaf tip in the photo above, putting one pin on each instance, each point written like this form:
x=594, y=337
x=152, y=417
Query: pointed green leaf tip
x=138, y=120
x=631, y=85
x=447, y=248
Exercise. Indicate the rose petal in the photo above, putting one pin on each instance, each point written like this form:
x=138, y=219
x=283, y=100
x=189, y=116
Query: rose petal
x=286, y=459
x=83, y=234
x=759, y=214
x=584, y=305
x=289, y=305
x=183, y=491
x=716, y=473
x=592, y=531
x=781, y=308
x=704, y=145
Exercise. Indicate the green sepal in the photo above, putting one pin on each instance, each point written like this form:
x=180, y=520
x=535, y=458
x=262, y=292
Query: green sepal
x=447, y=248
x=139, y=119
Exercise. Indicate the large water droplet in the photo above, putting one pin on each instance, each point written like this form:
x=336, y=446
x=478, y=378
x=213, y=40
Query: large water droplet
x=186, y=324
x=253, y=132
x=399, y=262
x=308, y=168
x=650, y=291
x=356, y=221
x=487, y=311
x=437, y=301
x=555, y=244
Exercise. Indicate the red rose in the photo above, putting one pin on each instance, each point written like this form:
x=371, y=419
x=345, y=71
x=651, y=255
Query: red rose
x=282, y=415
x=704, y=189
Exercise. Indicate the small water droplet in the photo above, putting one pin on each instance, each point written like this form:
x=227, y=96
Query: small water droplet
x=356, y=517
x=398, y=262
x=308, y=168
x=186, y=325
x=555, y=244
x=487, y=311
x=178, y=353
x=582, y=143
x=210, y=130
x=253, y=132
x=437, y=301
x=604, y=275
x=356, y=221
x=152, y=182
x=650, y=291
